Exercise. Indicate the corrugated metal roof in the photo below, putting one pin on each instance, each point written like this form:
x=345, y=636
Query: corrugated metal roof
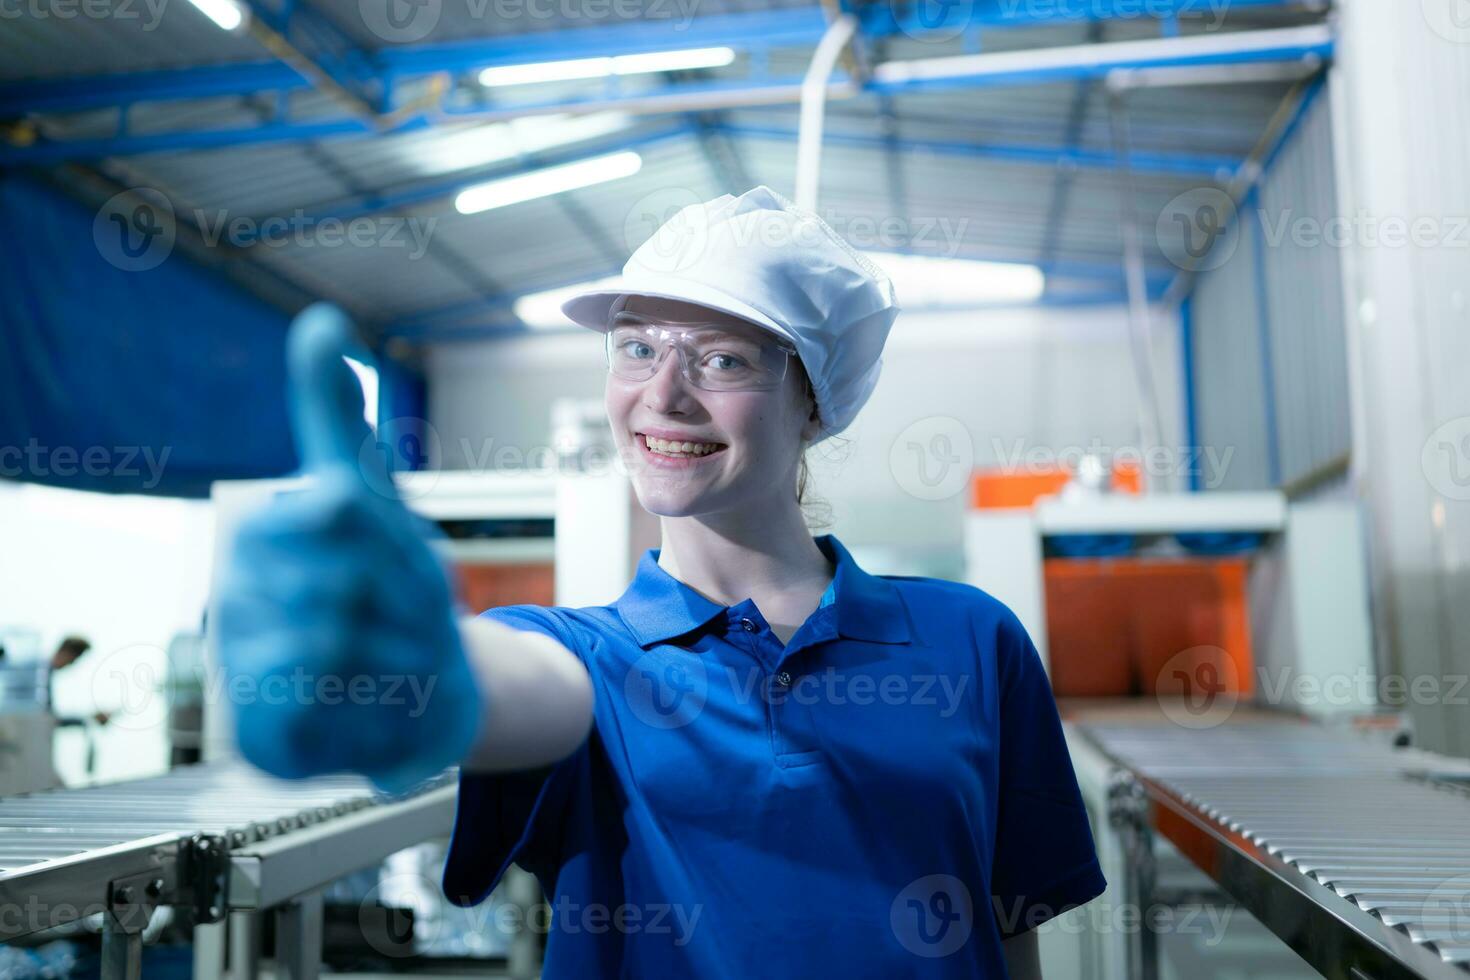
x=979, y=175
x=132, y=35
x=443, y=21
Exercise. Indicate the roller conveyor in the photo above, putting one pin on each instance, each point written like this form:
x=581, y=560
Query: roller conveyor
x=1354, y=853
x=221, y=840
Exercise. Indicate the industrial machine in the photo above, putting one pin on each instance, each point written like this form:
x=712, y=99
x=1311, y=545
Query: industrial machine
x=1278, y=588
x=217, y=846
x=231, y=857
x=1212, y=663
x=1355, y=853
x=26, y=722
x=564, y=535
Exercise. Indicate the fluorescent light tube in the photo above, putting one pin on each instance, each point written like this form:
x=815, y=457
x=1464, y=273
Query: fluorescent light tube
x=926, y=281
x=547, y=181
x=542, y=311
x=227, y=14
x=623, y=64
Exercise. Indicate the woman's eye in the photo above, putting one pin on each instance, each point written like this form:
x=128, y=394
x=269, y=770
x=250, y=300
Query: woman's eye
x=634, y=348
x=726, y=362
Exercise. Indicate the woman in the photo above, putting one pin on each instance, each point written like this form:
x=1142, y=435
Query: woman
x=793, y=768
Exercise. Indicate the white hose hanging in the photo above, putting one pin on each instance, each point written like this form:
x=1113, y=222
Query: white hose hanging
x=814, y=104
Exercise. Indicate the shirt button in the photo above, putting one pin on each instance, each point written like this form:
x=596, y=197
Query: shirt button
x=749, y=625
x=783, y=679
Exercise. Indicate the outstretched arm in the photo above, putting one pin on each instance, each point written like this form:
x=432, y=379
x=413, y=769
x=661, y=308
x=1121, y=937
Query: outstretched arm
x=535, y=693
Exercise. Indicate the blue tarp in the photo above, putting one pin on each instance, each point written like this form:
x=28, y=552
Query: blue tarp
x=127, y=380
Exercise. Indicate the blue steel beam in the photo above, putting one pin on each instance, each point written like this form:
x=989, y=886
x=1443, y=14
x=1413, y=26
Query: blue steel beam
x=419, y=193
x=271, y=132
x=769, y=28
x=1027, y=130
x=1289, y=45
x=920, y=18
x=130, y=144
x=795, y=27
x=1072, y=137
x=315, y=38
x=319, y=46
x=1106, y=274
x=58, y=151
x=127, y=88
x=1183, y=284
x=1170, y=164
x=424, y=332
x=1286, y=49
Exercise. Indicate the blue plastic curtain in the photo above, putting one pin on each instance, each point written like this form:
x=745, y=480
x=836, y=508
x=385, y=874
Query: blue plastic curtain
x=125, y=379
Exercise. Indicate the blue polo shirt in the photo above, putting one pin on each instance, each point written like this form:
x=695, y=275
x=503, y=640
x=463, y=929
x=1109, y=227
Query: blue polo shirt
x=887, y=794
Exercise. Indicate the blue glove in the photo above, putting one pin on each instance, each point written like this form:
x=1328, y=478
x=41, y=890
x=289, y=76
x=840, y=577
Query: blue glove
x=335, y=621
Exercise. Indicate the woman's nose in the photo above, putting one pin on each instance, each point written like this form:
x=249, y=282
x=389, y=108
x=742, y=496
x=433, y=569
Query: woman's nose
x=667, y=391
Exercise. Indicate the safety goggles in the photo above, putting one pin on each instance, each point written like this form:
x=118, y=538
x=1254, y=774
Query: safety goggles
x=713, y=356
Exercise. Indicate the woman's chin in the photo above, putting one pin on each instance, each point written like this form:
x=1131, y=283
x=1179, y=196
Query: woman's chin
x=660, y=503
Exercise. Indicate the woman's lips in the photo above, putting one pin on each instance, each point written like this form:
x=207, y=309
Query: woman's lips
x=672, y=462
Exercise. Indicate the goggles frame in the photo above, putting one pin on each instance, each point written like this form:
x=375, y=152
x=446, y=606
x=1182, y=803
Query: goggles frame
x=625, y=326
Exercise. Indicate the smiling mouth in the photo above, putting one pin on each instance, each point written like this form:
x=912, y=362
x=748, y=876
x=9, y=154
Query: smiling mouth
x=674, y=449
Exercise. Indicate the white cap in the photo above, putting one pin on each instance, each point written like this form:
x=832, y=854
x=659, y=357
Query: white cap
x=759, y=257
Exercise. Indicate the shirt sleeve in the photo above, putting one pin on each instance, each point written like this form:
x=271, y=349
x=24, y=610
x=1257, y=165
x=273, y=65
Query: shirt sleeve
x=1045, y=861
x=510, y=816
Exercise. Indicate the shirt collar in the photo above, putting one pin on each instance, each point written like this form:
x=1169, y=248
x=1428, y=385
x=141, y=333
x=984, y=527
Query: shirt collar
x=658, y=607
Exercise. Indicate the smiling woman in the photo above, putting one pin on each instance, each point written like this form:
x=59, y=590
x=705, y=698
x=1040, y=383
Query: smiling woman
x=751, y=740
x=764, y=765
x=724, y=422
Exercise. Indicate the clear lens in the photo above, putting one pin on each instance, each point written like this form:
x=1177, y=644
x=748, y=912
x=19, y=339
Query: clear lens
x=713, y=356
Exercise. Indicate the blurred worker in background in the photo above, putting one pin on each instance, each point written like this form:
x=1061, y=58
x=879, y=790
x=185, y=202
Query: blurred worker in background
x=68, y=652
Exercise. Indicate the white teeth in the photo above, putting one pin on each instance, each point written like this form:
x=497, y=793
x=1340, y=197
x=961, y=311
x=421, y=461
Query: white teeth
x=669, y=447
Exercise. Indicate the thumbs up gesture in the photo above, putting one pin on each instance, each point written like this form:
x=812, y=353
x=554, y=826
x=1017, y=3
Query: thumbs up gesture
x=335, y=622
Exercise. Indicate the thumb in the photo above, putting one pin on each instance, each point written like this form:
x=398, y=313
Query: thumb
x=326, y=399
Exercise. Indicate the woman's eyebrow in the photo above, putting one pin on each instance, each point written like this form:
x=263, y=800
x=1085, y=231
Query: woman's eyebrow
x=722, y=332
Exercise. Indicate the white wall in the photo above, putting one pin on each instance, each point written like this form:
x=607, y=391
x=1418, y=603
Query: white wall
x=991, y=382
x=1409, y=340
x=127, y=572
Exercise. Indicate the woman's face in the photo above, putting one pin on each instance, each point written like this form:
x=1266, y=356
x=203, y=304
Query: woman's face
x=760, y=434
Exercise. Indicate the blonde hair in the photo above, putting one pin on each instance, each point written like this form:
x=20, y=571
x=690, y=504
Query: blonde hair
x=816, y=511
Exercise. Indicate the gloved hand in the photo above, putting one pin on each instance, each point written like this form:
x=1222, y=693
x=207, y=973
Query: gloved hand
x=335, y=621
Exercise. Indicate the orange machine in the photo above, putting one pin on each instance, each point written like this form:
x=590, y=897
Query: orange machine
x=1133, y=625
x=484, y=585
